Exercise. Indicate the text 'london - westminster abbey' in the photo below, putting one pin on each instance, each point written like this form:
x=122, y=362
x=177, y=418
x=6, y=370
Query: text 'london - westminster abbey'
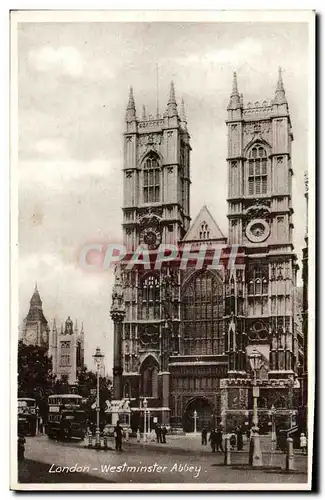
x=182, y=336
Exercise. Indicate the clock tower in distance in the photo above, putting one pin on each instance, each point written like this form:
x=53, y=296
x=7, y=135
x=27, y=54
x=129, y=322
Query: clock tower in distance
x=36, y=329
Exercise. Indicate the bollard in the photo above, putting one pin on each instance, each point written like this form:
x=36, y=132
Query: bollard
x=227, y=451
x=105, y=442
x=90, y=440
x=290, y=461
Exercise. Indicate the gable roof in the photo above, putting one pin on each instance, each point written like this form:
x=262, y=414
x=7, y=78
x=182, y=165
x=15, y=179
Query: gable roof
x=213, y=231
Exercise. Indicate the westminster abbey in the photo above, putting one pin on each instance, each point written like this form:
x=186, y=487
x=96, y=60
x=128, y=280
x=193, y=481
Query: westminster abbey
x=182, y=337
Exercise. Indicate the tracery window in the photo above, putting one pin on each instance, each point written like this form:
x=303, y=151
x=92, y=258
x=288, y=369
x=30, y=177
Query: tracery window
x=150, y=297
x=151, y=179
x=258, y=282
x=203, y=315
x=149, y=378
x=257, y=170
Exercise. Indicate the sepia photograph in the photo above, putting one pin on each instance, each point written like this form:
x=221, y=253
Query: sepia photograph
x=162, y=249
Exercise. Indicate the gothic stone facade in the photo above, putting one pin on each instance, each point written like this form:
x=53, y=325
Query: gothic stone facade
x=182, y=337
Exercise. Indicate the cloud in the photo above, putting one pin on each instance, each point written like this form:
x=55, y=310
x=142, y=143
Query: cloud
x=64, y=60
x=49, y=147
x=237, y=54
x=58, y=172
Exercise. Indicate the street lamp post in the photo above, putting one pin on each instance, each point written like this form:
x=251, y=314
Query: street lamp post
x=256, y=454
x=145, y=404
x=98, y=358
x=195, y=419
x=37, y=422
x=273, y=432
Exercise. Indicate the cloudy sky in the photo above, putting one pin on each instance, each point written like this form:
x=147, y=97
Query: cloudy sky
x=73, y=90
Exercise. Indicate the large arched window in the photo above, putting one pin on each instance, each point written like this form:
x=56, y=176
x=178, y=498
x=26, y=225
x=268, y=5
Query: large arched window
x=203, y=315
x=257, y=170
x=150, y=297
x=151, y=179
x=149, y=378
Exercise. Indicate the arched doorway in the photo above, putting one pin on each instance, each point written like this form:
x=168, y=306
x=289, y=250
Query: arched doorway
x=205, y=416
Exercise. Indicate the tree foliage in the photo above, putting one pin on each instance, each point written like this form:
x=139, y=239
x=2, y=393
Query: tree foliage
x=87, y=387
x=35, y=377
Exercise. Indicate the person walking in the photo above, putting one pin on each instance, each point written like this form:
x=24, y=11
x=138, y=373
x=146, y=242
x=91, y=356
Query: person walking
x=118, y=432
x=303, y=443
x=219, y=445
x=138, y=435
x=213, y=440
x=21, y=446
x=239, y=436
x=204, y=435
x=163, y=434
x=158, y=433
x=232, y=440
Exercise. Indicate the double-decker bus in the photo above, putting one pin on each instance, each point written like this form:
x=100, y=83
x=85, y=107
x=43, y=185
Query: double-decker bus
x=66, y=417
x=27, y=415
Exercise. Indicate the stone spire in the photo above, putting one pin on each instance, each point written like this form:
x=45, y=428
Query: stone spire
x=235, y=99
x=183, y=115
x=36, y=299
x=182, y=112
x=280, y=96
x=144, y=115
x=172, y=105
x=76, y=327
x=54, y=326
x=130, y=110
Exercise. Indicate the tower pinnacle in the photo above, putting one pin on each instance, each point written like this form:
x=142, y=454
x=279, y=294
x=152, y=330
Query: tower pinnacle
x=172, y=106
x=234, y=84
x=280, y=96
x=130, y=110
x=235, y=99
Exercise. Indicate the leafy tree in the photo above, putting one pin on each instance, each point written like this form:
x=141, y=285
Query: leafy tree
x=87, y=388
x=61, y=385
x=35, y=376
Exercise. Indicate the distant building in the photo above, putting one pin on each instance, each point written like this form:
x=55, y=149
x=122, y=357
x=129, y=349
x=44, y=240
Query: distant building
x=35, y=329
x=66, y=348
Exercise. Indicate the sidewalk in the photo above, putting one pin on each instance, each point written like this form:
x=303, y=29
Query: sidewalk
x=192, y=442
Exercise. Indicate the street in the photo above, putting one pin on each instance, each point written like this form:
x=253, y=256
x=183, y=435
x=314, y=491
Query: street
x=149, y=463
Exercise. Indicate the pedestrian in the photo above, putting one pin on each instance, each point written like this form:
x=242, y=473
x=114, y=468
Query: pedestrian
x=204, y=435
x=232, y=440
x=212, y=440
x=118, y=432
x=218, y=439
x=21, y=446
x=158, y=433
x=138, y=435
x=163, y=434
x=41, y=428
x=303, y=443
x=239, y=436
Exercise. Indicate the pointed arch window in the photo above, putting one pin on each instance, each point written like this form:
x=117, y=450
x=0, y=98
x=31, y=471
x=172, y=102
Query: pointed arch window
x=151, y=179
x=149, y=379
x=257, y=170
x=150, y=297
x=202, y=315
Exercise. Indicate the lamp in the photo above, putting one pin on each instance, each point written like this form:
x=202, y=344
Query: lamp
x=255, y=455
x=98, y=358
